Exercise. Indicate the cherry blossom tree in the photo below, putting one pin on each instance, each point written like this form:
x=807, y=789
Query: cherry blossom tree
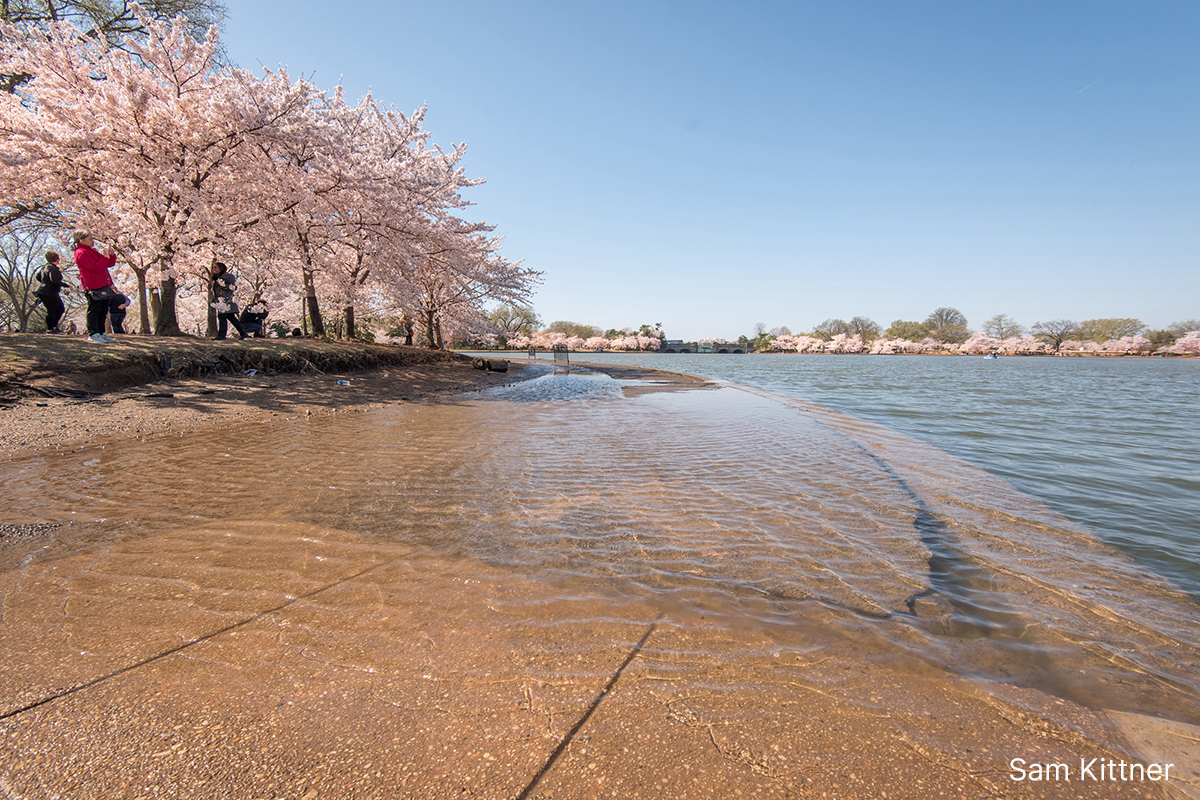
x=103, y=20
x=1023, y=344
x=316, y=212
x=155, y=139
x=841, y=343
x=979, y=343
x=1188, y=344
x=460, y=271
x=883, y=346
x=597, y=343
x=1127, y=344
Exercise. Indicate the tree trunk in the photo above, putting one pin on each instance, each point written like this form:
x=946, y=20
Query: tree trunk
x=349, y=315
x=430, y=340
x=166, y=323
x=310, y=297
x=143, y=303
x=155, y=302
x=211, y=294
x=314, y=314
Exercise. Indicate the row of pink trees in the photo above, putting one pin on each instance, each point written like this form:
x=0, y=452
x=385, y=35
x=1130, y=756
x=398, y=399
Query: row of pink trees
x=625, y=341
x=1188, y=344
x=977, y=344
x=179, y=162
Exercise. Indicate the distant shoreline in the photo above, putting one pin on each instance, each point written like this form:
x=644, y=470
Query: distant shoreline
x=1068, y=354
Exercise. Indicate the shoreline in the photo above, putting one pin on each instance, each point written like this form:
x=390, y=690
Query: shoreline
x=170, y=407
x=61, y=395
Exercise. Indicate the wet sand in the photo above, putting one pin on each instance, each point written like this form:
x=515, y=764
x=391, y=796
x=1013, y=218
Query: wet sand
x=636, y=381
x=204, y=659
x=356, y=677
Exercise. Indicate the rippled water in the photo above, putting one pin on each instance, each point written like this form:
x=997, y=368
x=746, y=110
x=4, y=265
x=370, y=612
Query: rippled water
x=1112, y=443
x=760, y=515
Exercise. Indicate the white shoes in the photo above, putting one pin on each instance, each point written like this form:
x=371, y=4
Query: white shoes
x=100, y=338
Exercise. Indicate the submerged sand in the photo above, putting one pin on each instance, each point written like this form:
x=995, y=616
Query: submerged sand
x=258, y=659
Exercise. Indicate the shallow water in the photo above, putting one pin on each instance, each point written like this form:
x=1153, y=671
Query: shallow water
x=784, y=527
x=1111, y=443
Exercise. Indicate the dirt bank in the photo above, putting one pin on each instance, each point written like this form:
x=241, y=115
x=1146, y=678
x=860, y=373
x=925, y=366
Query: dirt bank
x=63, y=392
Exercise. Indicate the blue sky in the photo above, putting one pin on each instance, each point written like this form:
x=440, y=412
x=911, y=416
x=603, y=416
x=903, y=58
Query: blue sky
x=714, y=165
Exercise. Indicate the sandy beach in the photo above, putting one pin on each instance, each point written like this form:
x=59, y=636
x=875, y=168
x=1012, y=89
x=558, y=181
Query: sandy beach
x=256, y=657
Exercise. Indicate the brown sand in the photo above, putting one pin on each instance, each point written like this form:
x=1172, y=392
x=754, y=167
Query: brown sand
x=343, y=673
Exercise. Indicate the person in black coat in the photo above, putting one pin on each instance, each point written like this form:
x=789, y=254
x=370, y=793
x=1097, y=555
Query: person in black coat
x=51, y=279
x=223, y=282
x=254, y=318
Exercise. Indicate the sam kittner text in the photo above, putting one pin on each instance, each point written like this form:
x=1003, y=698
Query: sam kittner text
x=1095, y=770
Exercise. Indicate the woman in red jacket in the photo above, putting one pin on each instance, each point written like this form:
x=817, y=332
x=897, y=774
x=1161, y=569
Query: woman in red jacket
x=97, y=283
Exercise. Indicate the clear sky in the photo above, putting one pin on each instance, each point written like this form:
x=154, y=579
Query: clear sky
x=711, y=165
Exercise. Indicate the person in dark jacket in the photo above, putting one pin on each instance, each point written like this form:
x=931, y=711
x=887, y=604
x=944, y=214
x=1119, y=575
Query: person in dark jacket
x=223, y=282
x=117, y=309
x=254, y=318
x=51, y=278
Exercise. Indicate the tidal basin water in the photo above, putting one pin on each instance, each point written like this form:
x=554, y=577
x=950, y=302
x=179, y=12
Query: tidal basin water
x=861, y=533
x=1111, y=443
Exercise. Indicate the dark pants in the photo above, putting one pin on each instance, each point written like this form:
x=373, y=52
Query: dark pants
x=97, y=310
x=116, y=314
x=54, y=310
x=229, y=318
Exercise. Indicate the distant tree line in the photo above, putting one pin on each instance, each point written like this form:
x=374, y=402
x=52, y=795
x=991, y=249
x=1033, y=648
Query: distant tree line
x=517, y=326
x=946, y=329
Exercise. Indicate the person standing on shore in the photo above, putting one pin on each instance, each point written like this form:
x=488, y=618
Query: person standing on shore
x=51, y=278
x=227, y=309
x=96, y=282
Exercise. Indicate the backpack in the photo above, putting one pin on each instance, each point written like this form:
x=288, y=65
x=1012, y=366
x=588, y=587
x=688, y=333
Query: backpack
x=47, y=288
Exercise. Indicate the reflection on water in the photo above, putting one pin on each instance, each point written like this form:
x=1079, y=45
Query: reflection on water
x=771, y=524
